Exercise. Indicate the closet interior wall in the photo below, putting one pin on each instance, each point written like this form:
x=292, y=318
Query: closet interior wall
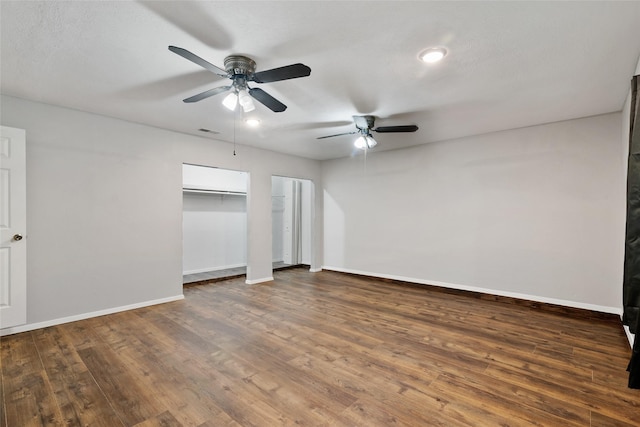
x=214, y=219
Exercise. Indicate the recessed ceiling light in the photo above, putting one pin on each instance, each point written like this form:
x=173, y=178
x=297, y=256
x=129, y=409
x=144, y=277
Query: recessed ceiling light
x=433, y=54
x=252, y=122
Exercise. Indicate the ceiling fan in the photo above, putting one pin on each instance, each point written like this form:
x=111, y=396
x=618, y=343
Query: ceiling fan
x=241, y=70
x=365, y=124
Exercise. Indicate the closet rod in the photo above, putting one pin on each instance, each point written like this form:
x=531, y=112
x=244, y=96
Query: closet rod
x=229, y=193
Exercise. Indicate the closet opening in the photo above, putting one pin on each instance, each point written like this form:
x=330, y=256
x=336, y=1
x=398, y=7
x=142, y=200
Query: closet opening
x=214, y=223
x=291, y=222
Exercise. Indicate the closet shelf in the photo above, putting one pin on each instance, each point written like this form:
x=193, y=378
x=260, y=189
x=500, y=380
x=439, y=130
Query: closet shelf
x=221, y=192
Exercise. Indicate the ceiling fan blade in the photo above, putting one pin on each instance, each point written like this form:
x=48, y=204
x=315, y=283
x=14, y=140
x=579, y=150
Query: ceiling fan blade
x=206, y=94
x=197, y=60
x=405, y=128
x=283, y=73
x=338, y=134
x=267, y=100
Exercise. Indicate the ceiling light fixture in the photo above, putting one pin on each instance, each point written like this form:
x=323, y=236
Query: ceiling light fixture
x=252, y=122
x=365, y=142
x=239, y=96
x=433, y=54
x=230, y=101
x=245, y=101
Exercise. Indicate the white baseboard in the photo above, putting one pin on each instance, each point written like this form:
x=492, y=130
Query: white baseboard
x=54, y=322
x=315, y=270
x=255, y=281
x=206, y=270
x=630, y=336
x=537, y=298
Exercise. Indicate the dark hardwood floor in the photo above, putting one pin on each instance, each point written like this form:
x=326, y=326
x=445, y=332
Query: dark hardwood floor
x=323, y=349
x=229, y=273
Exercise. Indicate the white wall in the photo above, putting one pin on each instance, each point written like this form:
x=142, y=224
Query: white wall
x=305, y=223
x=104, y=201
x=532, y=212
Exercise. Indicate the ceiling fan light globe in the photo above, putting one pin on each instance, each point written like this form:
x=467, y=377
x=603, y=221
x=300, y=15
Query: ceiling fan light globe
x=364, y=142
x=360, y=143
x=230, y=101
x=245, y=101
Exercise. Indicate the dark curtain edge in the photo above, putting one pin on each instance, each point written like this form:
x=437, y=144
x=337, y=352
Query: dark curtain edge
x=631, y=282
x=634, y=106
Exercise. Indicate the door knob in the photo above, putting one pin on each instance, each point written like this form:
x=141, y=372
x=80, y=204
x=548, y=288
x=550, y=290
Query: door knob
x=17, y=237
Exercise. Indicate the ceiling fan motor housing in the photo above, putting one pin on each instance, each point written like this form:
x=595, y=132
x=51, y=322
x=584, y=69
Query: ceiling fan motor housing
x=364, y=122
x=239, y=65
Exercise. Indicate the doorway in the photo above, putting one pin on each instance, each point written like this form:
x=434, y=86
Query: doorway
x=291, y=222
x=214, y=223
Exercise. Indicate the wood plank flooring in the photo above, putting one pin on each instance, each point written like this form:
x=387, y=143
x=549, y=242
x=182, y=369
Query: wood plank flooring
x=323, y=349
x=230, y=273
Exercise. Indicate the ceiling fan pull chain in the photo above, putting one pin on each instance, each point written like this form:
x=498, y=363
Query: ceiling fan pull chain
x=366, y=150
x=235, y=116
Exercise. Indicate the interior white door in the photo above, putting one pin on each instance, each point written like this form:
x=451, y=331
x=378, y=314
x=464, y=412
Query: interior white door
x=13, y=227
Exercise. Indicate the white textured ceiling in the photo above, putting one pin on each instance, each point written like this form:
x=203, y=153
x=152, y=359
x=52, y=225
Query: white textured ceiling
x=510, y=64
